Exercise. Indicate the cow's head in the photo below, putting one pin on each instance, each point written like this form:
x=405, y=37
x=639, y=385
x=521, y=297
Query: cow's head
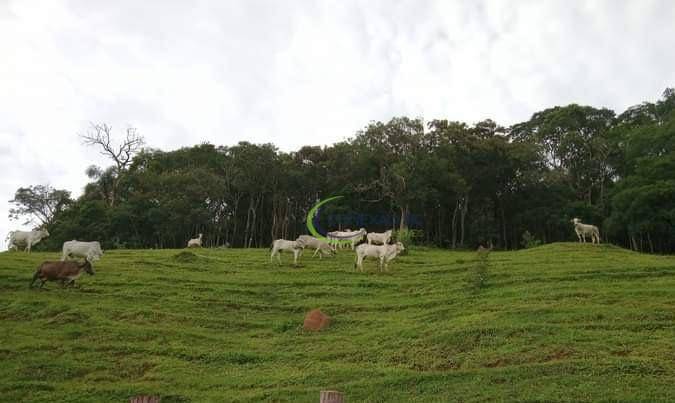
x=94, y=256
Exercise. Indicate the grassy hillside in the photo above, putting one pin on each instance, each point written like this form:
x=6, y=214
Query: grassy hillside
x=562, y=322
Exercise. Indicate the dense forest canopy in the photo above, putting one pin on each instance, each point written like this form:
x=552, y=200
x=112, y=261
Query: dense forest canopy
x=454, y=184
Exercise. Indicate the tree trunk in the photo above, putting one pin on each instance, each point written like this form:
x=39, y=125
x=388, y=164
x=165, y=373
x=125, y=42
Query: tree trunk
x=454, y=225
x=235, y=220
x=506, y=245
x=274, y=230
x=113, y=193
x=248, y=230
x=403, y=225
x=465, y=209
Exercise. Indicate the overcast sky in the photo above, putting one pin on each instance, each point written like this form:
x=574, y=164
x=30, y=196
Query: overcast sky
x=302, y=72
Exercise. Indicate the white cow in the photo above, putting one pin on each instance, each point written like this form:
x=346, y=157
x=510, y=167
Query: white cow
x=281, y=245
x=353, y=237
x=27, y=238
x=385, y=253
x=319, y=246
x=583, y=230
x=379, y=238
x=90, y=251
x=195, y=242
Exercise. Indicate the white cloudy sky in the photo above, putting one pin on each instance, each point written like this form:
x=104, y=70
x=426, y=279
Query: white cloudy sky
x=303, y=72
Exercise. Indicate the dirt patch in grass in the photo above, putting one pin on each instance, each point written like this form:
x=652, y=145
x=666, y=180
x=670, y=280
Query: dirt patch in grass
x=499, y=362
x=559, y=354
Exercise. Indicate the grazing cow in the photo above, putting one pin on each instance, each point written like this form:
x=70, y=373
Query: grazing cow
x=195, y=242
x=281, y=245
x=27, y=238
x=583, y=230
x=385, y=253
x=379, y=238
x=65, y=272
x=353, y=237
x=321, y=247
x=90, y=251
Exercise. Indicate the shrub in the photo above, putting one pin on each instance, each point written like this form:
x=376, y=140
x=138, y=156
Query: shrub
x=408, y=237
x=529, y=241
x=478, y=273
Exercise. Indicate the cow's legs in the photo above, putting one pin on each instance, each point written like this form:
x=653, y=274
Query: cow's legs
x=35, y=277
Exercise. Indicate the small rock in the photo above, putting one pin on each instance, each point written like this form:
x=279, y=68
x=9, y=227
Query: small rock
x=316, y=320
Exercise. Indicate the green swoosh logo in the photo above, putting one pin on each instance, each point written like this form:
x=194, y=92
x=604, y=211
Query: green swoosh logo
x=312, y=213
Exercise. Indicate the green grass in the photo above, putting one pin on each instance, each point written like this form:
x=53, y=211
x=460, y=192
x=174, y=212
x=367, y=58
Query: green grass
x=561, y=322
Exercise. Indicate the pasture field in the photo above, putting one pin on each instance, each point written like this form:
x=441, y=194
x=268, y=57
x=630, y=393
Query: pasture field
x=561, y=322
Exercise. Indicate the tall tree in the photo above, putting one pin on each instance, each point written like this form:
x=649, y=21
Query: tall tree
x=120, y=152
x=39, y=204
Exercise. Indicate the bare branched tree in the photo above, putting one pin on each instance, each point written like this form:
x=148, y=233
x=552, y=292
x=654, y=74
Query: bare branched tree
x=121, y=153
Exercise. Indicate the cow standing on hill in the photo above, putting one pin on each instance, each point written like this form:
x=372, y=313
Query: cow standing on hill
x=90, y=251
x=584, y=230
x=384, y=253
x=27, y=238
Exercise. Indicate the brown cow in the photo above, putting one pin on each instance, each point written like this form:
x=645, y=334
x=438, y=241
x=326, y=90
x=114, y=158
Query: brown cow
x=66, y=272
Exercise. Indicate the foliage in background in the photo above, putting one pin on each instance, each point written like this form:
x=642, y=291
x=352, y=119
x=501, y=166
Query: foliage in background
x=529, y=241
x=408, y=237
x=39, y=204
x=465, y=184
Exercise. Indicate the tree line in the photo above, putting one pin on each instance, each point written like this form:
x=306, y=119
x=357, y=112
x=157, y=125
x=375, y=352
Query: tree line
x=464, y=184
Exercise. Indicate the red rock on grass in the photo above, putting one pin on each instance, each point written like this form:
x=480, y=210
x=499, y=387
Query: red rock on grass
x=316, y=320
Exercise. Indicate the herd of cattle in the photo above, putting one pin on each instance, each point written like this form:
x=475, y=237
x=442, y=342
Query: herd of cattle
x=377, y=245
x=65, y=271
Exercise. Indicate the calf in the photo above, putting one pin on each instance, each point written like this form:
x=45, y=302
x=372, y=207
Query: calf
x=65, y=272
x=351, y=237
x=90, y=251
x=282, y=244
x=321, y=247
x=377, y=238
x=195, y=242
x=584, y=230
x=385, y=253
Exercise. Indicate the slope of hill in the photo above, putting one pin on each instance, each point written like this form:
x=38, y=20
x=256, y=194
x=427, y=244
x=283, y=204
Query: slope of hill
x=562, y=322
